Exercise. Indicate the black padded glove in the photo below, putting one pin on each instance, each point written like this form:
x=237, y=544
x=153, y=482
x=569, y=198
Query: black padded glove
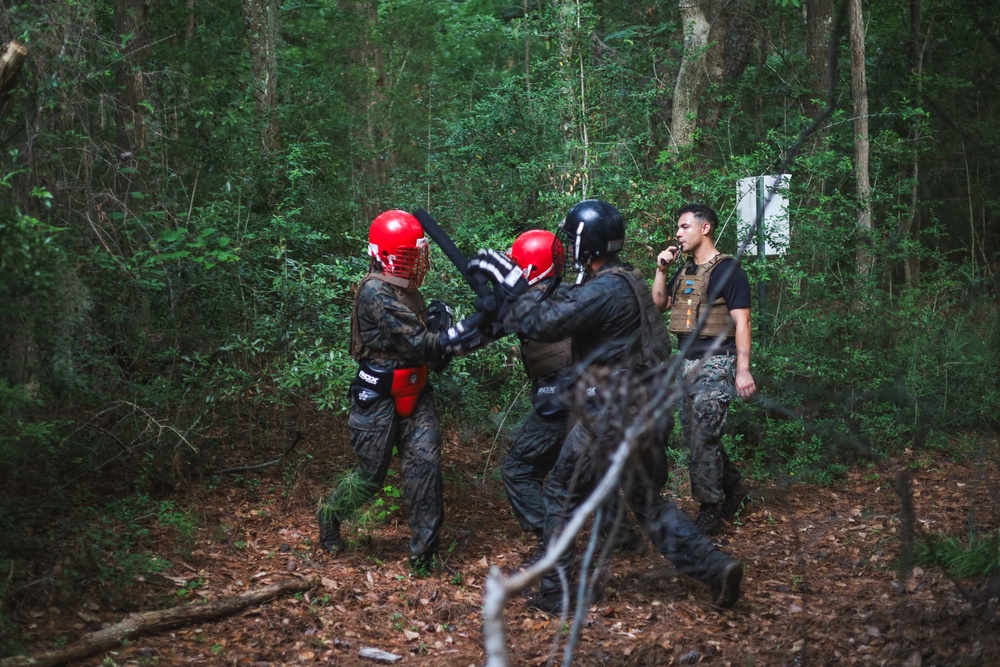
x=465, y=337
x=439, y=316
x=506, y=276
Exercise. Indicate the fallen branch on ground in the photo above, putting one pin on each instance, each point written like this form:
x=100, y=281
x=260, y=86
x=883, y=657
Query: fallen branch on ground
x=267, y=464
x=150, y=621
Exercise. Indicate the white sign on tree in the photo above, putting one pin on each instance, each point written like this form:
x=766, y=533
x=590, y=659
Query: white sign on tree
x=751, y=194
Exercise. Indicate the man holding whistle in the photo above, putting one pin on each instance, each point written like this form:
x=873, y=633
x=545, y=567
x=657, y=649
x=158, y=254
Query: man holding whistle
x=709, y=302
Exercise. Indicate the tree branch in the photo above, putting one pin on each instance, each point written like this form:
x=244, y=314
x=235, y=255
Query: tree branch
x=151, y=621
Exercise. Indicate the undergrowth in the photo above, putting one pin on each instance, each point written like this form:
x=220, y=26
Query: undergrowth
x=977, y=556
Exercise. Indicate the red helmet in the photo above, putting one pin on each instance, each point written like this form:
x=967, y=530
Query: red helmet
x=539, y=254
x=396, y=241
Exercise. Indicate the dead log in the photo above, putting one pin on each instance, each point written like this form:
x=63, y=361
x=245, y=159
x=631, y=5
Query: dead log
x=10, y=65
x=151, y=621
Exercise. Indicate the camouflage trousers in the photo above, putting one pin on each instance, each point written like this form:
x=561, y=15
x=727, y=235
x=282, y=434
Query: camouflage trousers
x=708, y=388
x=375, y=430
x=531, y=457
x=582, y=461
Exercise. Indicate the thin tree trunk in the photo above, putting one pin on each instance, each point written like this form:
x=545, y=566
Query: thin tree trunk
x=371, y=148
x=574, y=110
x=819, y=32
x=911, y=224
x=859, y=91
x=131, y=21
x=262, y=19
x=692, y=78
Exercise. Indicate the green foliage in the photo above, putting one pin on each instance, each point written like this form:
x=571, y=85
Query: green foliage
x=177, y=295
x=115, y=541
x=353, y=490
x=978, y=556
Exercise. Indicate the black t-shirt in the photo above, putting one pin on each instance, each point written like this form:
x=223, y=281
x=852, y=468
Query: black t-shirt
x=732, y=280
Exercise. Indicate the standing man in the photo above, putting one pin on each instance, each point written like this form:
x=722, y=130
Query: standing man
x=618, y=337
x=711, y=289
x=395, y=338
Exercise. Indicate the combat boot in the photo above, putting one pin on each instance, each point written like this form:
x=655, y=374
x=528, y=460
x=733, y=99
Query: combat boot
x=329, y=534
x=726, y=588
x=709, y=519
x=551, y=602
x=536, y=554
x=734, y=502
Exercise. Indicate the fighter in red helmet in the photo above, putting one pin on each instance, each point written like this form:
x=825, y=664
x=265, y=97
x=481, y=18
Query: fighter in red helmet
x=395, y=338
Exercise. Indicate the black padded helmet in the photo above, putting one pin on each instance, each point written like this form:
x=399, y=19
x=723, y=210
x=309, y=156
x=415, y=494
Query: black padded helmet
x=593, y=228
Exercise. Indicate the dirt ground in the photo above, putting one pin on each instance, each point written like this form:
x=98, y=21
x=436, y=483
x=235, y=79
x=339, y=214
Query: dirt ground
x=821, y=584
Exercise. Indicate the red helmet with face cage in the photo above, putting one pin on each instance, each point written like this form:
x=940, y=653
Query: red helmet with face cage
x=396, y=241
x=539, y=254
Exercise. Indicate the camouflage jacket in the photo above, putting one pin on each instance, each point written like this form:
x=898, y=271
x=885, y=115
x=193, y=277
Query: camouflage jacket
x=387, y=327
x=609, y=325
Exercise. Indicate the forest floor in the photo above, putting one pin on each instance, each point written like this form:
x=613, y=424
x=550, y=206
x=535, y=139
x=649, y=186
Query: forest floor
x=821, y=584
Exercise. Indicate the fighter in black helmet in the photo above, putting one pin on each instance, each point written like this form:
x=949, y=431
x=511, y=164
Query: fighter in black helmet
x=535, y=448
x=618, y=336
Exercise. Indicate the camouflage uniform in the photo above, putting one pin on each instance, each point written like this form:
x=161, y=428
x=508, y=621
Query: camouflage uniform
x=709, y=375
x=536, y=446
x=532, y=455
x=617, y=334
x=388, y=332
x=709, y=386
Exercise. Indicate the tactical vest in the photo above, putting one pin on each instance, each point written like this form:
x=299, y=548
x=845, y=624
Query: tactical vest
x=654, y=343
x=541, y=359
x=690, y=293
x=412, y=299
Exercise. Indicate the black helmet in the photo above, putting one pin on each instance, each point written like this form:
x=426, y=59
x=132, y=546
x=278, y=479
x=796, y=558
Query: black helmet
x=593, y=228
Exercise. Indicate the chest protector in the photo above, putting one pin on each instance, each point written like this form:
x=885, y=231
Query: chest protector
x=689, y=299
x=402, y=384
x=541, y=359
x=412, y=299
x=654, y=343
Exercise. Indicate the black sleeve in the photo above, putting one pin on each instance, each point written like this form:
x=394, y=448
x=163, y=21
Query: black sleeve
x=735, y=286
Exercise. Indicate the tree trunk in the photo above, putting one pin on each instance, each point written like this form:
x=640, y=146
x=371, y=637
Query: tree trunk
x=730, y=46
x=10, y=65
x=692, y=78
x=859, y=91
x=262, y=20
x=819, y=33
x=911, y=225
x=131, y=23
x=371, y=147
x=573, y=113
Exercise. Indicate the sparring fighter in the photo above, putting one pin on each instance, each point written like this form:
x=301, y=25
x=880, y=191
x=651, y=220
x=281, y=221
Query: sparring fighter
x=618, y=337
x=396, y=338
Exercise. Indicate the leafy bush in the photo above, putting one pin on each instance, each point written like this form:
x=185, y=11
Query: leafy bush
x=979, y=556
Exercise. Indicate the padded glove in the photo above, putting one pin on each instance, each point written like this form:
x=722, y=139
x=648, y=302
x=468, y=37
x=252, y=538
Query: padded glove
x=465, y=337
x=506, y=276
x=439, y=316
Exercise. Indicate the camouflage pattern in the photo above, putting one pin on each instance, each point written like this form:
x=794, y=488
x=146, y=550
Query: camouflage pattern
x=387, y=326
x=708, y=386
x=393, y=336
x=535, y=448
x=582, y=461
x=532, y=455
x=602, y=316
x=607, y=317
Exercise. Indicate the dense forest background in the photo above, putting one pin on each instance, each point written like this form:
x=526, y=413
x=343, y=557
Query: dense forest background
x=187, y=185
